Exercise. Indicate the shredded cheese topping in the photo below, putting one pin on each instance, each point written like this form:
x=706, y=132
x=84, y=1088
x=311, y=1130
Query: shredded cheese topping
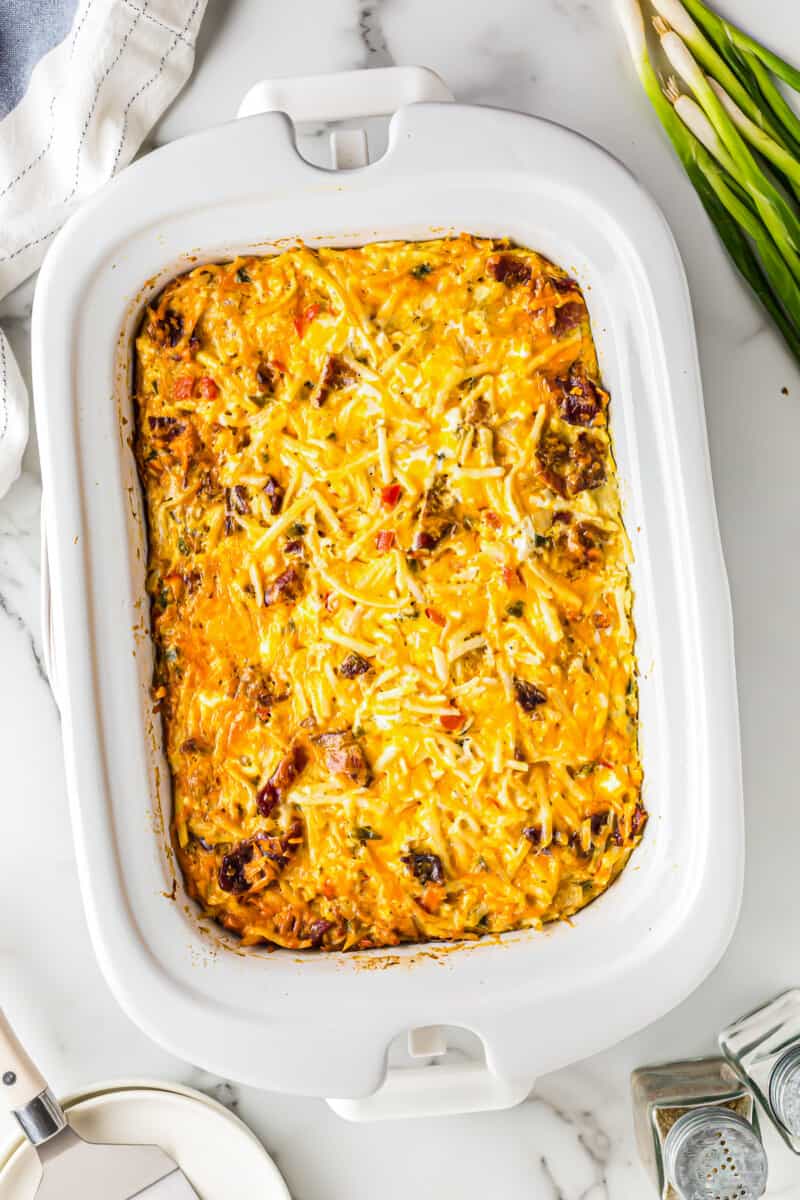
x=390, y=593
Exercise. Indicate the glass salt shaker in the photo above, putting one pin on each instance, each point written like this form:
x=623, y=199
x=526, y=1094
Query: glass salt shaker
x=764, y=1049
x=697, y=1131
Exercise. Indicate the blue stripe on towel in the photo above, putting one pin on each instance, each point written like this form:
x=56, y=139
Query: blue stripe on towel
x=28, y=29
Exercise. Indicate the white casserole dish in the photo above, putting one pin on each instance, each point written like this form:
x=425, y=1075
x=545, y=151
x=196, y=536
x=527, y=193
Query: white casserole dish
x=322, y=1024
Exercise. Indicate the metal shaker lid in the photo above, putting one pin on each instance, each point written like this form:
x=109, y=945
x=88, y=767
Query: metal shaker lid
x=784, y=1090
x=712, y=1153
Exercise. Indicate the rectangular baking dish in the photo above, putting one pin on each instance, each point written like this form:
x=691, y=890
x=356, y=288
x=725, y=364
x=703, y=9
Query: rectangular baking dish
x=322, y=1024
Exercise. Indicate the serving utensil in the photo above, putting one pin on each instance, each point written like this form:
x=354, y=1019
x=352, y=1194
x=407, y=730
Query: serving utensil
x=71, y=1166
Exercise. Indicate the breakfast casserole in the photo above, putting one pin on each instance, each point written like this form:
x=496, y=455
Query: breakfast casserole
x=390, y=592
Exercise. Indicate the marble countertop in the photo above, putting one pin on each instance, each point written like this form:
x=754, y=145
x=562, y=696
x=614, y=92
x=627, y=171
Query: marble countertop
x=573, y=1139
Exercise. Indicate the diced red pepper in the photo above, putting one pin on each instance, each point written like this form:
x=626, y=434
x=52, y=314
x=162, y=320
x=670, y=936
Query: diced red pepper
x=436, y=617
x=451, y=722
x=391, y=494
x=183, y=387
x=208, y=388
x=432, y=896
x=302, y=322
x=510, y=576
x=384, y=540
x=493, y=519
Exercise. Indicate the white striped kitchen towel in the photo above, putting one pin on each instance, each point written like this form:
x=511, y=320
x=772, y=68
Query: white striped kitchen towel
x=81, y=84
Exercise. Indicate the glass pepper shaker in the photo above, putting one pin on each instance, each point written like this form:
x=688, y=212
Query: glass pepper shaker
x=764, y=1049
x=697, y=1131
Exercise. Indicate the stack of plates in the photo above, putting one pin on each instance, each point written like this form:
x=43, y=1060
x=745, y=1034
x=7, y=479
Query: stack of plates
x=216, y=1151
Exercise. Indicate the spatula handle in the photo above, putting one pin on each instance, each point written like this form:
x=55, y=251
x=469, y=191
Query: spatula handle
x=24, y=1089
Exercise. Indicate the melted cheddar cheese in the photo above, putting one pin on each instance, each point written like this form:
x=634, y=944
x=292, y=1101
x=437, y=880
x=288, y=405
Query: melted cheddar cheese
x=390, y=593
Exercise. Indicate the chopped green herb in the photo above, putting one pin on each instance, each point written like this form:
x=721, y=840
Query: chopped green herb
x=183, y=546
x=332, y=436
x=260, y=398
x=242, y=276
x=421, y=270
x=170, y=654
x=154, y=386
x=516, y=608
x=412, y=564
x=539, y=540
x=586, y=768
x=297, y=529
x=365, y=833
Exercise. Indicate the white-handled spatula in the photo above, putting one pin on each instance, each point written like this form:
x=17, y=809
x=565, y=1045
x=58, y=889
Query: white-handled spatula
x=72, y=1168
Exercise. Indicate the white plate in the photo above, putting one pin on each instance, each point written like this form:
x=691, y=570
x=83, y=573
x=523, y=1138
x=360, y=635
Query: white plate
x=216, y=1151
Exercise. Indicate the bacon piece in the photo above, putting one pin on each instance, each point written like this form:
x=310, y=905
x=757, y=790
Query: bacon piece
x=508, y=269
x=236, y=501
x=580, y=540
x=165, y=429
x=529, y=696
x=259, y=692
x=571, y=467
x=336, y=374
x=354, y=664
x=344, y=756
x=423, y=541
x=195, y=746
x=168, y=329
x=580, y=401
x=286, y=587
x=317, y=930
x=638, y=820
x=434, y=615
x=276, y=849
x=275, y=494
x=435, y=518
x=598, y=821
x=426, y=867
x=281, y=779
x=534, y=834
x=568, y=316
x=231, y=875
x=265, y=377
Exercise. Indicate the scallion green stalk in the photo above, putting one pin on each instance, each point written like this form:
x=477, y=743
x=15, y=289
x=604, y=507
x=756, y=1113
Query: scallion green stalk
x=753, y=218
x=767, y=146
x=676, y=16
x=781, y=221
x=722, y=31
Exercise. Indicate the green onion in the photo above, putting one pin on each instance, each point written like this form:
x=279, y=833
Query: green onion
x=737, y=138
x=707, y=55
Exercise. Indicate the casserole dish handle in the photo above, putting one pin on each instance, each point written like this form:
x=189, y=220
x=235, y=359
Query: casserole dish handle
x=436, y=1090
x=345, y=95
